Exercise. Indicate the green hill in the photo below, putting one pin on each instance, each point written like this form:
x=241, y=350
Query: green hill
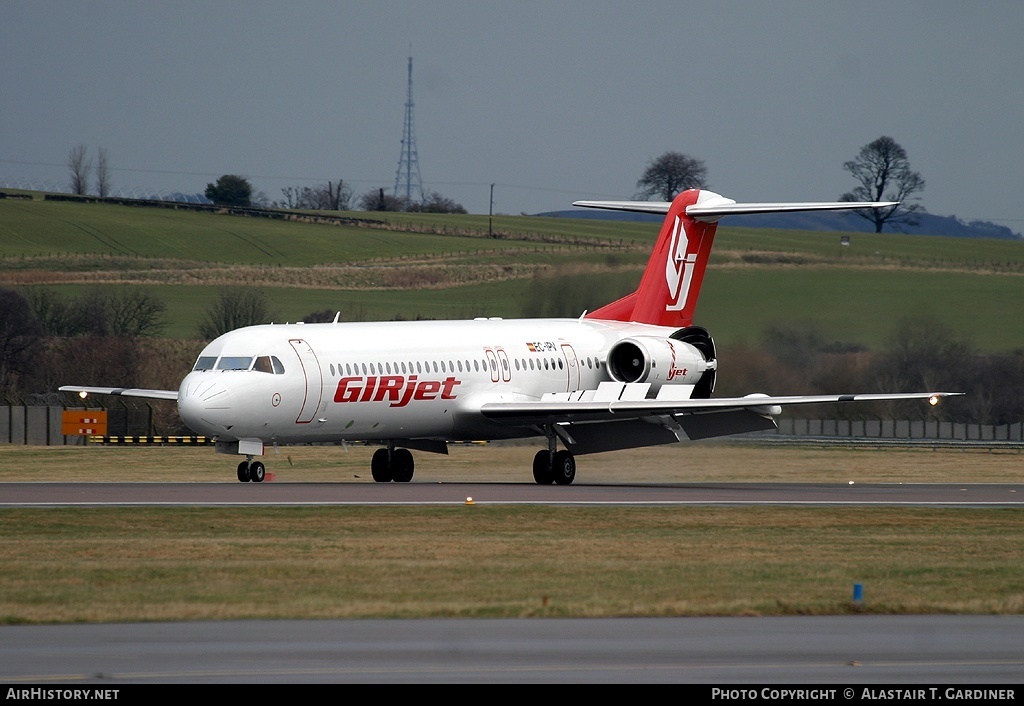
x=388, y=266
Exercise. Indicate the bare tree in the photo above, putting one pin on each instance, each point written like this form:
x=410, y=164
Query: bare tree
x=234, y=308
x=378, y=200
x=437, y=203
x=21, y=339
x=332, y=196
x=135, y=313
x=884, y=174
x=338, y=196
x=80, y=167
x=669, y=174
x=102, y=174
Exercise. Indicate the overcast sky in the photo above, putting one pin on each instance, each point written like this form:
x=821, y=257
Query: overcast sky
x=550, y=101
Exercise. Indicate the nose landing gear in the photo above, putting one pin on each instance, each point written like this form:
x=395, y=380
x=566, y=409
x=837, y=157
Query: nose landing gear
x=249, y=471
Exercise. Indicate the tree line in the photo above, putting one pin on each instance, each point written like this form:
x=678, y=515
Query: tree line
x=881, y=169
x=110, y=337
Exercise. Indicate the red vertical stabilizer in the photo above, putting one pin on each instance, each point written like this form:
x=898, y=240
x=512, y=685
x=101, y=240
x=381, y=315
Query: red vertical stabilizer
x=670, y=286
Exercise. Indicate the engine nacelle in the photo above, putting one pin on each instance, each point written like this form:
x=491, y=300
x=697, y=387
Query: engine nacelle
x=659, y=361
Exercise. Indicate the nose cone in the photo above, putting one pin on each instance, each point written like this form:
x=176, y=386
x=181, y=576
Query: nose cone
x=204, y=405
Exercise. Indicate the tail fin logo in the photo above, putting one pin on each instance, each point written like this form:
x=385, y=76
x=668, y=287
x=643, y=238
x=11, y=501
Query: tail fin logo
x=678, y=267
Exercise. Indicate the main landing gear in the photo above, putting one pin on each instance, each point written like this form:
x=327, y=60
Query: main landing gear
x=391, y=464
x=249, y=471
x=554, y=466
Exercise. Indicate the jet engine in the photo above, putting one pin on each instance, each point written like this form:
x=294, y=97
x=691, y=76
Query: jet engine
x=700, y=338
x=659, y=361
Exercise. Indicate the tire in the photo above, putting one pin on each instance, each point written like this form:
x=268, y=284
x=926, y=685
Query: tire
x=380, y=466
x=542, y=472
x=243, y=472
x=402, y=465
x=257, y=472
x=564, y=470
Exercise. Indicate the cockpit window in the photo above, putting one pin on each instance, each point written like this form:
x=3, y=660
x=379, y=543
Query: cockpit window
x=262, y=364
x=205, y=362
x=228, y=362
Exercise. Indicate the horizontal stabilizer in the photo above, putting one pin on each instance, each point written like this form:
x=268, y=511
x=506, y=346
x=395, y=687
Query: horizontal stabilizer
x=711, y=206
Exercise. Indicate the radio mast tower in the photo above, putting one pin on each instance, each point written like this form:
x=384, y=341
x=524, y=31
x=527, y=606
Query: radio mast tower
x=407, y=178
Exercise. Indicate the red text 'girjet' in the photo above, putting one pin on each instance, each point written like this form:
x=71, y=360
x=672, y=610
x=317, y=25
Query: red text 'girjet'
x=397, y=389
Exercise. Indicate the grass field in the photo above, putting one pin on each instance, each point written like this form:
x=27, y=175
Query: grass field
x=142, y=564
x=445, y=266
x=724, y=461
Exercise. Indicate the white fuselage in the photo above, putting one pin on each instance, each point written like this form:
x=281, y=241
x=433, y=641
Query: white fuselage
x=295, y=383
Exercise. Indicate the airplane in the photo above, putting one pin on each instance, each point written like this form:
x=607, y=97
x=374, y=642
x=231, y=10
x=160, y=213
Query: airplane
x=635, y=372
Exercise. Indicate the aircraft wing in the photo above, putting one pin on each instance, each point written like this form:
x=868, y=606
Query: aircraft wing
x=543, y=412
x=590, y=427
x=122, y=391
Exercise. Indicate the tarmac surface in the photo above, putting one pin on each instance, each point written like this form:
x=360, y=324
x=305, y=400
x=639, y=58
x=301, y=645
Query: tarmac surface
x=312, y=494
x=837, y=651
x=841, y=653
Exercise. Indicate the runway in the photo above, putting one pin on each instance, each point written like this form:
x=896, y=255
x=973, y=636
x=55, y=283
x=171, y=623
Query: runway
x=831, y=651
x=646, y=494
x=842, y=653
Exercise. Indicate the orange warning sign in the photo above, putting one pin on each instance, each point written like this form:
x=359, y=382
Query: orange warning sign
x=77, y=422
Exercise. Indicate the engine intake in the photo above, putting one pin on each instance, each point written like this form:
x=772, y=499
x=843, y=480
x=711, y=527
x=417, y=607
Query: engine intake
x=658, y=361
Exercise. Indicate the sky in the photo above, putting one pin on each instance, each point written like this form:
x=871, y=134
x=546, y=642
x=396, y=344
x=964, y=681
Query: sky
x=549, y=102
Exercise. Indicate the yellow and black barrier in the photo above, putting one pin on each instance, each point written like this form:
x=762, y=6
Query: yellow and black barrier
x=153, y=440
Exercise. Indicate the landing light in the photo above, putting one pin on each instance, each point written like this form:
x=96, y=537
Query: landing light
x=83, y=394
x=933, y=400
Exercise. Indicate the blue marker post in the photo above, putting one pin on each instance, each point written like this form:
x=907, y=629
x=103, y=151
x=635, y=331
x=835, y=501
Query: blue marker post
x=858, y=594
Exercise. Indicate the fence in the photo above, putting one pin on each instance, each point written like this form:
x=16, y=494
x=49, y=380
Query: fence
x=901, y=429
x=41, y=426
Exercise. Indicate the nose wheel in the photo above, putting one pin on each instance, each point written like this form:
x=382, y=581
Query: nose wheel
x=249, y=471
